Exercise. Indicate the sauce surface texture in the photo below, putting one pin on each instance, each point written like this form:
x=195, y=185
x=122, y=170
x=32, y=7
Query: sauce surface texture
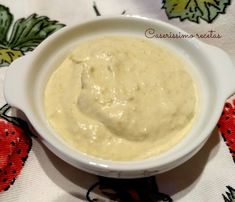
x=121, y=98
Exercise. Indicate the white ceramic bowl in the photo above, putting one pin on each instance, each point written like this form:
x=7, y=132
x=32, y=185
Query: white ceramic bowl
x=214, y=73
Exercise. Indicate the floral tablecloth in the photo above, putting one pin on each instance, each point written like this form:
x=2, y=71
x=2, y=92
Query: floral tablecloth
x=209, y=176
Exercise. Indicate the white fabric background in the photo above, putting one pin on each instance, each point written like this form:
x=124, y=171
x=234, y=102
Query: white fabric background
x=46, y=178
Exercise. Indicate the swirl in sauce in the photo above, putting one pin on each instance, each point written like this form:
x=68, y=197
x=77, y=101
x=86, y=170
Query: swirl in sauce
x=121, y=98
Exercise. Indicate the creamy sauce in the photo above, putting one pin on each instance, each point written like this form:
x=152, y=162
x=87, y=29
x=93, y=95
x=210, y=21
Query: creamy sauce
x=121, y=98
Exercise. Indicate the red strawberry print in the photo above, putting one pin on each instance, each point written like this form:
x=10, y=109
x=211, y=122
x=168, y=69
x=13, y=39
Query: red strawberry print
x=226, y=126
x=15, y=144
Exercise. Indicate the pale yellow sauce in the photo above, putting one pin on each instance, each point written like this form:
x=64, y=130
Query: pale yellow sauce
x=121, y=98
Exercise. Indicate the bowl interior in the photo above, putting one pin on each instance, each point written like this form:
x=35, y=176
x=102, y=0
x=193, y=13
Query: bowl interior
x=51, y=53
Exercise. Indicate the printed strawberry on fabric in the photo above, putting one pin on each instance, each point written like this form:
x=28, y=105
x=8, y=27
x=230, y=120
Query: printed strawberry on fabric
x=226, y=126
x=15, y=141
x=15, y=136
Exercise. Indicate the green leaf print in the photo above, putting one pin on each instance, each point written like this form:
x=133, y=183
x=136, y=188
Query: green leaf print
x=230, y=196
x=5, y=23
x=27, y=34
x=8, y=55
x=193, y=10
